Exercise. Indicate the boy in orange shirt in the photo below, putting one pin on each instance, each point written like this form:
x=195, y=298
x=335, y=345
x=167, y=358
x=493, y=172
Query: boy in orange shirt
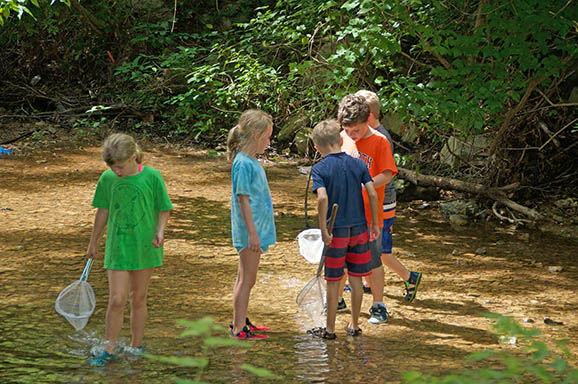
x=411, y=279
x=361, y=141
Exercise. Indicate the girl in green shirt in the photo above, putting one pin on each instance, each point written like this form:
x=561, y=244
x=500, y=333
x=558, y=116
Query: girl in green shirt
x=132, y=202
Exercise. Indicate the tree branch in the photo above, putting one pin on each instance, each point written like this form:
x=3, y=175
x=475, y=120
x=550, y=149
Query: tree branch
x=440, y=58
x=510, y=115
x=496, y=194
x=91, y=20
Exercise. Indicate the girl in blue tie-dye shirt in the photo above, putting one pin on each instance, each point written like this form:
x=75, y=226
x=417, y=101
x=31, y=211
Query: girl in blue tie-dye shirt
x=252, y=222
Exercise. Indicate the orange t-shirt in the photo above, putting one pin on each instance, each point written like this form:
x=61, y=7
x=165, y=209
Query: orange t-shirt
x=375, y=151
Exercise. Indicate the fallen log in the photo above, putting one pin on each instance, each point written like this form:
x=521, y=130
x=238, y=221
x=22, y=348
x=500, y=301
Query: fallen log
x=498, y=194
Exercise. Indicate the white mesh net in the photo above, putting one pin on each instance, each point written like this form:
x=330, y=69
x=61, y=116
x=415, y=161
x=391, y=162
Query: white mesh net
x=310, y=245
x=76, y=304
x=312, y=298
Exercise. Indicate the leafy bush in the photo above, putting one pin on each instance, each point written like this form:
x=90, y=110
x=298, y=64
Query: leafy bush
x=457, y=68
x=206, y=328
x=539, y=364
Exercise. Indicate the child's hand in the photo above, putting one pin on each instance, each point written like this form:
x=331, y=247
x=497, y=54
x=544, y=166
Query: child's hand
x=159, y=240
x=326, y=236
x=373, y=231
x=254, y=242
x=91, y=252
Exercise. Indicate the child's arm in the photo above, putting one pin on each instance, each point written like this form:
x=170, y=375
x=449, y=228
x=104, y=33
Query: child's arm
x=383, y=178
x=247, y=214
x=159, y=239
x=100, y=220
x=374, y=205
x=322, y=204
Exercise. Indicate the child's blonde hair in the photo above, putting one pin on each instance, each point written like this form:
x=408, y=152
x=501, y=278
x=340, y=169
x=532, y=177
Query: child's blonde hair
x=120, y=147
x=326, y=133
x=372, y=100
x=251, y=122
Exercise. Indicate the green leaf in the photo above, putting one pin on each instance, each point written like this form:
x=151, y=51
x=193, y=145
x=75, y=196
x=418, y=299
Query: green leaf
x=259, y=372
x=184, y=381
x=190, y=362
x=481, y=355
x=225, y=342
x=413, y=376
x=196, y=328
x=351, y=4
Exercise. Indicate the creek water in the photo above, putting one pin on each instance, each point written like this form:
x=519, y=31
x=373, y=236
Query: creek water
x=45, y=228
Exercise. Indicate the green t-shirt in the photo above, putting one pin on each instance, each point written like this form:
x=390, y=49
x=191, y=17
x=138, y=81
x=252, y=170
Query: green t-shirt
x=134, y=203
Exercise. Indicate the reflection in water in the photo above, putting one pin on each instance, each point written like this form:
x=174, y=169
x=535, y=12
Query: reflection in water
x=312, y=359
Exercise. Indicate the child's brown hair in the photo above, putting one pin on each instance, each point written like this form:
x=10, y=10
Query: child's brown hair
x=353, y=109
x=326, y=133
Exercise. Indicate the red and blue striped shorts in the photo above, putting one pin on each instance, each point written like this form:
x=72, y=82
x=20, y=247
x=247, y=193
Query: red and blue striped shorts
x=349, y=246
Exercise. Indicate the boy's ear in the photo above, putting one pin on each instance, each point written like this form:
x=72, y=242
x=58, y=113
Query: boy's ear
x=340, y=141
x=316, y=148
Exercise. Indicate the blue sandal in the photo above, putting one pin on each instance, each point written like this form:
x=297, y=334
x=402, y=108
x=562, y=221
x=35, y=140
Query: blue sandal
x=102, y=360
x=410, y=292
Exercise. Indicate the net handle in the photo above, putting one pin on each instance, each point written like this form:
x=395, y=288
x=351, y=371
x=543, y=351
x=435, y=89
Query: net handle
x=86, y=271
x=330, y=230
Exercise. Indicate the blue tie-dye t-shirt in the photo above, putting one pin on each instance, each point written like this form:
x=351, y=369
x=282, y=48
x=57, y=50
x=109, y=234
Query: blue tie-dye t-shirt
x=248, y=177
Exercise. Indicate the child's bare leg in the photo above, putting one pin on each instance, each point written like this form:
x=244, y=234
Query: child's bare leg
x=139, y=282
x=118, y=282
x=367, y=281
x=356, y=300
x=392, y=263
x=377, y=283
x=246, y=278
x=342, y=284
x=332, y=293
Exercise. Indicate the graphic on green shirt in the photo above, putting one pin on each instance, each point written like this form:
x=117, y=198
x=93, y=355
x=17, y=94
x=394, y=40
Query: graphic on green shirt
x=129, y=206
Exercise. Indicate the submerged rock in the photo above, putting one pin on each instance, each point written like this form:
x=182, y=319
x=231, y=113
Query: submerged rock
x=459, y=220
x=467, y=208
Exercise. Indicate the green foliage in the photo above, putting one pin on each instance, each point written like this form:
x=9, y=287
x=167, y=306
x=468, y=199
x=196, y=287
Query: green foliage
x=213, y=336
x=20, y=7
x=86, y=128
x=448, y=67
x=538, y=364
x=460, y=76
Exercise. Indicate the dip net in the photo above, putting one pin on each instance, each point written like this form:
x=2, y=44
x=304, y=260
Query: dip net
x=76, y=302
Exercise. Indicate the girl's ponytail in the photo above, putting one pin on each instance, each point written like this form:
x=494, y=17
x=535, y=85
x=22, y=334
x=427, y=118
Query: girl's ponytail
x=233, y=142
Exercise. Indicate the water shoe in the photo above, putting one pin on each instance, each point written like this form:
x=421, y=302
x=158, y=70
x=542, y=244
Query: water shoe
x=102, y=359
x=322, y=333
x=378, y=314
x=410, y=292
x=246, y=334
x=252, y=327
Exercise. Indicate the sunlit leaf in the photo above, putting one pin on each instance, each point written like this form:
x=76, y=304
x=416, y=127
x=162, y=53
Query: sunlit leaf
x=185, y=381
x=259, y=372
x=225, y=342
x=191, y=362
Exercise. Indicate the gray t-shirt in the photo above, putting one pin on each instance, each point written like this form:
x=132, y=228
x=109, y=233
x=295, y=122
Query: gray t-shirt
x=390, y=195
